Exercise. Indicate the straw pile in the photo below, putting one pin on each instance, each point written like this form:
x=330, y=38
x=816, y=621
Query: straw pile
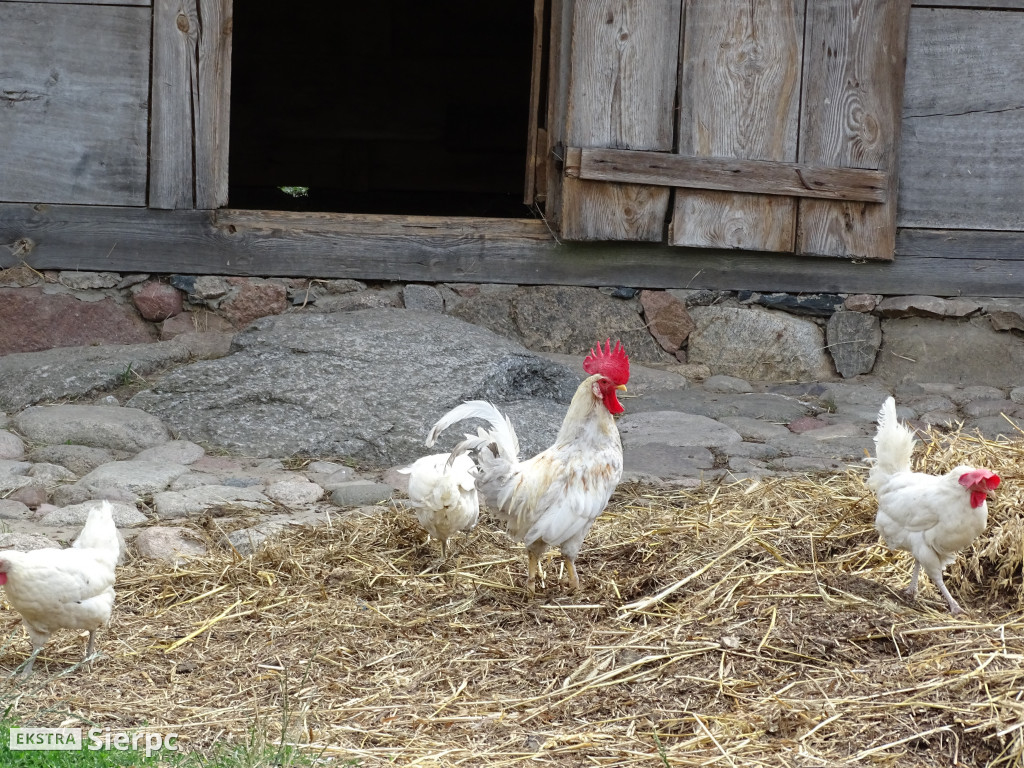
x=752, y=624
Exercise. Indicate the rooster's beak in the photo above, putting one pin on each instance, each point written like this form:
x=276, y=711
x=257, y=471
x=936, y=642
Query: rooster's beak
x=622, y=387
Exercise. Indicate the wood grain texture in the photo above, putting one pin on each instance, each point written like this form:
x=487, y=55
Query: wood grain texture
x=428, y=249
x=739, y=98
x=559, y=61
x=1005, y=5
x=621, y=93
x=762, y=177
x=73, y=106
x=534, y=164
x=854, y=60
x=962, y=156
x=90, y=2
x=191, y=95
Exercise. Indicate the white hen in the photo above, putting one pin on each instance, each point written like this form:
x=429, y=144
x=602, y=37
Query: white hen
x=931, y=516
x=443, y=495
x=553, y=499
x=69, y=588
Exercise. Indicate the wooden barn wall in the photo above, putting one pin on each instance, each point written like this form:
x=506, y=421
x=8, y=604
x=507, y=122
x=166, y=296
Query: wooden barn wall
x=74, y=102
x=961, y=205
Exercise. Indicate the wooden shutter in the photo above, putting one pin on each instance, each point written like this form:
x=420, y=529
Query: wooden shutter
x=191, y=103
x=768, y=125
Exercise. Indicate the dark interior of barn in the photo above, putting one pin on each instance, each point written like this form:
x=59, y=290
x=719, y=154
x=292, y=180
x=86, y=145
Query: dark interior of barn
x=395, y=106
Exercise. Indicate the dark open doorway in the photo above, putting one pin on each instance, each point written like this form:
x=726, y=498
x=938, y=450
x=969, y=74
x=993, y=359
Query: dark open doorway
x=394, y=106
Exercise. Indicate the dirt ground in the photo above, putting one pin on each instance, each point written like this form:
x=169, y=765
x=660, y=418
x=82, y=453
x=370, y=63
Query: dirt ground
x=759, y=623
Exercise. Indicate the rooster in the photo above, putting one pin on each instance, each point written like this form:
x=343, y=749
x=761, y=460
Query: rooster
x=553, y=499
x=931, y=516
x=69, y=588
x=443, y=494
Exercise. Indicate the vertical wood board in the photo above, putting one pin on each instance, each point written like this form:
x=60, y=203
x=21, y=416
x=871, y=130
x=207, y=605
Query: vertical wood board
x=854, y=59
x=533, y=148
x=739, y=98
x=73, y=103
x=621, y=93
x=191, y=89
x=560, y=44
x=962, y=146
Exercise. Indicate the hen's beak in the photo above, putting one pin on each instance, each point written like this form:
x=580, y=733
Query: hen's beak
x=622, y=387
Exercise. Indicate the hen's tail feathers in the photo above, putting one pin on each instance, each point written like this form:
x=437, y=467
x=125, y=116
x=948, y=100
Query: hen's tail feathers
x=100, y=533
x=501, y=433
x=894, y=445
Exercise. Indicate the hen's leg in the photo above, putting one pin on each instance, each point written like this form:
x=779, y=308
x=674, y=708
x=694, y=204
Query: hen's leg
x=911, y=590
x=574, y=579
x=954, y=606
x=31, y=660
x=89, y=650
x=444, y=549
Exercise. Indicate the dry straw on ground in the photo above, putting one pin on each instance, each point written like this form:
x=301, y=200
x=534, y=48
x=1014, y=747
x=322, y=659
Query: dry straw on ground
x=751, y=624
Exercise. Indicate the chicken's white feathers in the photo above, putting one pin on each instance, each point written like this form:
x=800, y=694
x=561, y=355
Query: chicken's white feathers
x=100, y=533
x=930, y=516
x=69, y=588
x=442, y=493
x=501, y=431
x=894, y=445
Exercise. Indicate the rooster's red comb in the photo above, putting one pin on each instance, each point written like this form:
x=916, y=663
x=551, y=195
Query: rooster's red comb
x=609, y=362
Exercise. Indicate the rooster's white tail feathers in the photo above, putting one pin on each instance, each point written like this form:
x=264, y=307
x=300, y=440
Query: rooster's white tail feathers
x=894, y=445
x=501, y=433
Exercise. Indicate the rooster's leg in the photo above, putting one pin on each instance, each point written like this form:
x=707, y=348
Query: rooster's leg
x=911, y=590
x=574, y=579
x=533, y=566
x=444, y=549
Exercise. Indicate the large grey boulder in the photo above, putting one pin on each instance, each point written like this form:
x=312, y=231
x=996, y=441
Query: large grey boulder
x=964, y=352
x=27, y=378
x=366, y=384
x=758, y=344
x=561, y=319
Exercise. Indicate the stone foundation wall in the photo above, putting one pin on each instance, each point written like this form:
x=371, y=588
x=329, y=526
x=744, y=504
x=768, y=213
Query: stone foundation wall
x=765, y=337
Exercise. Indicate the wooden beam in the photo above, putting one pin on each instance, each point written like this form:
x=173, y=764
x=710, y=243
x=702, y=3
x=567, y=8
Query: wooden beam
x=764, y=177
x=428, y=249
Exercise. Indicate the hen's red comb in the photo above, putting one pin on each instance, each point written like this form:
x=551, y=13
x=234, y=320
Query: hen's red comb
x=609, y=362
x=991, y=479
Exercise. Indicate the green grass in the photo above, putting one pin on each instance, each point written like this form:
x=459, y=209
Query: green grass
x=256, y=752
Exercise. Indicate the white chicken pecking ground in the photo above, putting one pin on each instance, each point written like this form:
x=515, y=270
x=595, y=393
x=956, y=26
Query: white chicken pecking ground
x=553, y=499
x=69, y=588
x=443, y=495
x=931, y=516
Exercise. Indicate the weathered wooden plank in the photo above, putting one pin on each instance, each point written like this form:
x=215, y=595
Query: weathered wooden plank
x=191, y=95
x=854, y=60
x=534, y=165
x=739, y=98
x=213, y=109
x=428, y=249
x=90, y=2
x=559, y=60
x=73, y=106
x=962, y=159
x=621, y=93
x=1004, y=5
x=762, y=177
